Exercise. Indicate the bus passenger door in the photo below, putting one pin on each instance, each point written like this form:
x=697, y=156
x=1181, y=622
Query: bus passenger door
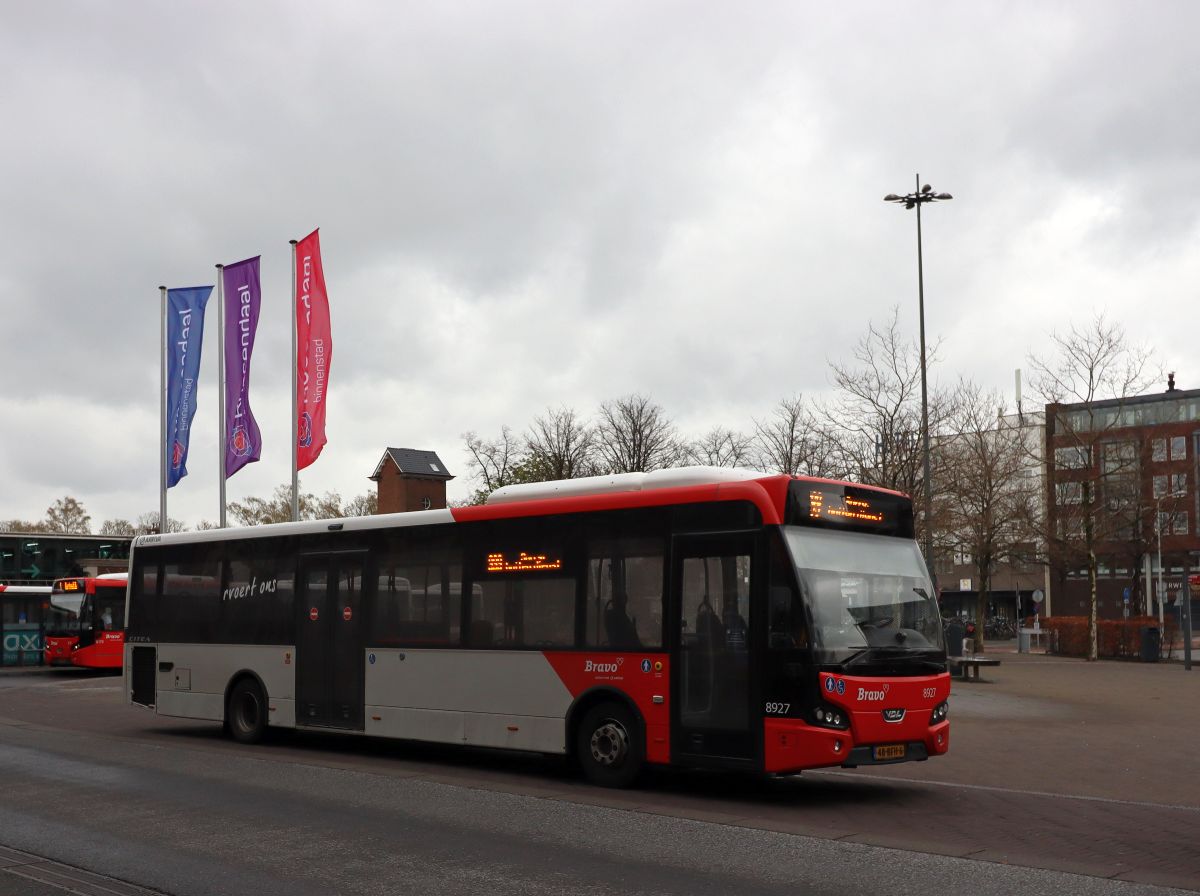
x=329, y=641
x=712, y=689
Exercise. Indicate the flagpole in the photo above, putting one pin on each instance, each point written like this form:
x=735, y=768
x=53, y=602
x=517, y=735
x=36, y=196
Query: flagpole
x=163, y=449
x=295, y=386
x=222, y=436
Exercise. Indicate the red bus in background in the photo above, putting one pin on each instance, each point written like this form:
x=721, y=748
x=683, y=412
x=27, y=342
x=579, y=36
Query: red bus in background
x=85, y=624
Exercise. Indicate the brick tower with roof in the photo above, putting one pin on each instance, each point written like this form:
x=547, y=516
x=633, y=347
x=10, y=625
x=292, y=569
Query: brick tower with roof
x=408, y=479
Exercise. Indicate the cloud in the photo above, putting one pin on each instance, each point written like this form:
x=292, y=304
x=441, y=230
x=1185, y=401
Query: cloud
x=530, y=204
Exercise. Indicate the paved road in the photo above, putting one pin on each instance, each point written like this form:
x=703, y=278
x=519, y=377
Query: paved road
x=1040, y=781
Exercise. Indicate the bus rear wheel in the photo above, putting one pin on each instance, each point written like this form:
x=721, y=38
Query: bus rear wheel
x=246, y=713
x=609, y=748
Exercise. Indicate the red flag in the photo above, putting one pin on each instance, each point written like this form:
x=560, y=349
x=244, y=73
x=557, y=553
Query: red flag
x=314, y=350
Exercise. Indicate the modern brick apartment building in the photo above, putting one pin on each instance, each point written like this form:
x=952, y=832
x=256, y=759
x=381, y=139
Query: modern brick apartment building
x=1134, y=461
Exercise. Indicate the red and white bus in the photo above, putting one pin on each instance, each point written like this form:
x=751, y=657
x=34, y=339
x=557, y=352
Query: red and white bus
x=85, y=623
x=697, y=616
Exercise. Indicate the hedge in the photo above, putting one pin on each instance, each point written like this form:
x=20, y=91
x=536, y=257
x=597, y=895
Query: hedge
x=1116, y=638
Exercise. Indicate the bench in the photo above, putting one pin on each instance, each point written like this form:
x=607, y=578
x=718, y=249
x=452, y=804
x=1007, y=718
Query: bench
x=965, y=664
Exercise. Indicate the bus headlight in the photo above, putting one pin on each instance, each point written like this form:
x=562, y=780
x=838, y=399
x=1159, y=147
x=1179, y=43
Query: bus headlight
x=940, y=712
x=831, y=717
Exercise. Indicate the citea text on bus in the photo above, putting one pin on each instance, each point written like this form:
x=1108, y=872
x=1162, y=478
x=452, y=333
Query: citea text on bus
x=253, y=587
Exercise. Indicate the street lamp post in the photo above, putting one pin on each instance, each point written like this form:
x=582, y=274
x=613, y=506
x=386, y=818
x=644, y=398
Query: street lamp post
x=922, y=195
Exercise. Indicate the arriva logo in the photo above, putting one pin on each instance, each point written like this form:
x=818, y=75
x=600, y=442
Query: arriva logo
x=864, y=694
x=593, y=666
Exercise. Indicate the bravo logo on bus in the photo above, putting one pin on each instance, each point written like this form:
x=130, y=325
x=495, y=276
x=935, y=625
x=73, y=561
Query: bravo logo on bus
x=605, y=668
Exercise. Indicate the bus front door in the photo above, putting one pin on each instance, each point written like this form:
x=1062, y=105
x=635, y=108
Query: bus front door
x=711, y=581
x=329, y=641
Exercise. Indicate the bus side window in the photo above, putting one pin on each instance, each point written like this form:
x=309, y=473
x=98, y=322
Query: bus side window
x=624, y=598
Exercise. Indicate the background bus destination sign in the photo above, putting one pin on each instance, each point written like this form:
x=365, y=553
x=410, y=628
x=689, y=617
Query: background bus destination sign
x=522, y=561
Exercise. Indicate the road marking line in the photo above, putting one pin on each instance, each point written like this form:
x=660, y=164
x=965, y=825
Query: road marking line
x=1062, y=796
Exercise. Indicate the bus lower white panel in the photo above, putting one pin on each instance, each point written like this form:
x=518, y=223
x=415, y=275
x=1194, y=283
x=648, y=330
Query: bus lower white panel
x=488, y=698
x=282, y=713
x=471, y=681
x=516, y=732
x=202, y=672
x=187, y=705
x=416, y=724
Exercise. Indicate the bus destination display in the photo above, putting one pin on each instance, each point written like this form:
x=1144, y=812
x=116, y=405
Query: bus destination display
x=842, y=508
x=834, y=506
x=524, y=561
x=69, y=585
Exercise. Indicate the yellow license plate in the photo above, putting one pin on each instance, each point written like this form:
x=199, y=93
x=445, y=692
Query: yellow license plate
x=890, y=751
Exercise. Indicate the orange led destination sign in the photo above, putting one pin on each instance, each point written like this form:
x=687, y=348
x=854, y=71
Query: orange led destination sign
x=525, y=561
x=71, y=585
x=850, y=509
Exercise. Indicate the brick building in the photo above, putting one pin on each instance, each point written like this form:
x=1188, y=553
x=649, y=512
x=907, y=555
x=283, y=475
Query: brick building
x=408, y=479
x=1134, y=463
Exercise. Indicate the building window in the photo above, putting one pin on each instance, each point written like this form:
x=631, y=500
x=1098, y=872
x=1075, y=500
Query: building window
x=1160, y=486
x=1158, y=450
x=1173, y=522
x=1178, y=447
x=1073, y=457
x=1119, y=456
x=1070, y=492
x=1179, y=483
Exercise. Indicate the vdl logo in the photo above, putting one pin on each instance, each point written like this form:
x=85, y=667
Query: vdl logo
x=304, y=430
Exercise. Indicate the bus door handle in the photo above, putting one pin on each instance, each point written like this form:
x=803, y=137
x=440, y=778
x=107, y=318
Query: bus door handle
x=165, y=667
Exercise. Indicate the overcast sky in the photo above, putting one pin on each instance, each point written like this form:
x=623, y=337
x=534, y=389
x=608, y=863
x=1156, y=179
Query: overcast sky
x=526, y=205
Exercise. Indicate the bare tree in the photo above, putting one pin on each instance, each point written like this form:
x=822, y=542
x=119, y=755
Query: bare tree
x=68, y=515
x=365, y=504
x=721, y=447
x=793, y=441
x=876, y=415
x=147, y=523
x=21, y=526
x=255, y=511
x=493, y=462
x=635, y=435
x=1092, y=478
x=117, y=527
x=560, y=445
x=989, y=495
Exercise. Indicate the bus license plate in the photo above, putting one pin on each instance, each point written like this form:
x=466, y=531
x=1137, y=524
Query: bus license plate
x=890, y=751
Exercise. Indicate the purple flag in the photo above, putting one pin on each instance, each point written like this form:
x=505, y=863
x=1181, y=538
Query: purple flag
x=243, y=444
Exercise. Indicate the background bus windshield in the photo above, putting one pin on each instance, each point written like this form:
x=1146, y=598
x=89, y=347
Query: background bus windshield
x=63, y=616
x=864, y=591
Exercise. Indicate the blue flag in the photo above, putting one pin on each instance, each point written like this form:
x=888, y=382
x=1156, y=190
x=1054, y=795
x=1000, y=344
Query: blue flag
x=185, y=336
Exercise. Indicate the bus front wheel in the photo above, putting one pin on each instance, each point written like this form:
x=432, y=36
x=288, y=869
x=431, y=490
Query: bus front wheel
x=608, y=748
x=246, y=714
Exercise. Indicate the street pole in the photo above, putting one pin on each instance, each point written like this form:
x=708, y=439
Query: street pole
x=1185, y=593
x=915, y=200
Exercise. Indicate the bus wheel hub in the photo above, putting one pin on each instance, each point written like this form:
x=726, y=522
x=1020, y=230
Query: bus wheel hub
x=610, y=743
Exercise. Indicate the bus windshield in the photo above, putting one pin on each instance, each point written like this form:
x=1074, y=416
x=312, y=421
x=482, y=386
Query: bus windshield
x=867, y=594
x=62, y=619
